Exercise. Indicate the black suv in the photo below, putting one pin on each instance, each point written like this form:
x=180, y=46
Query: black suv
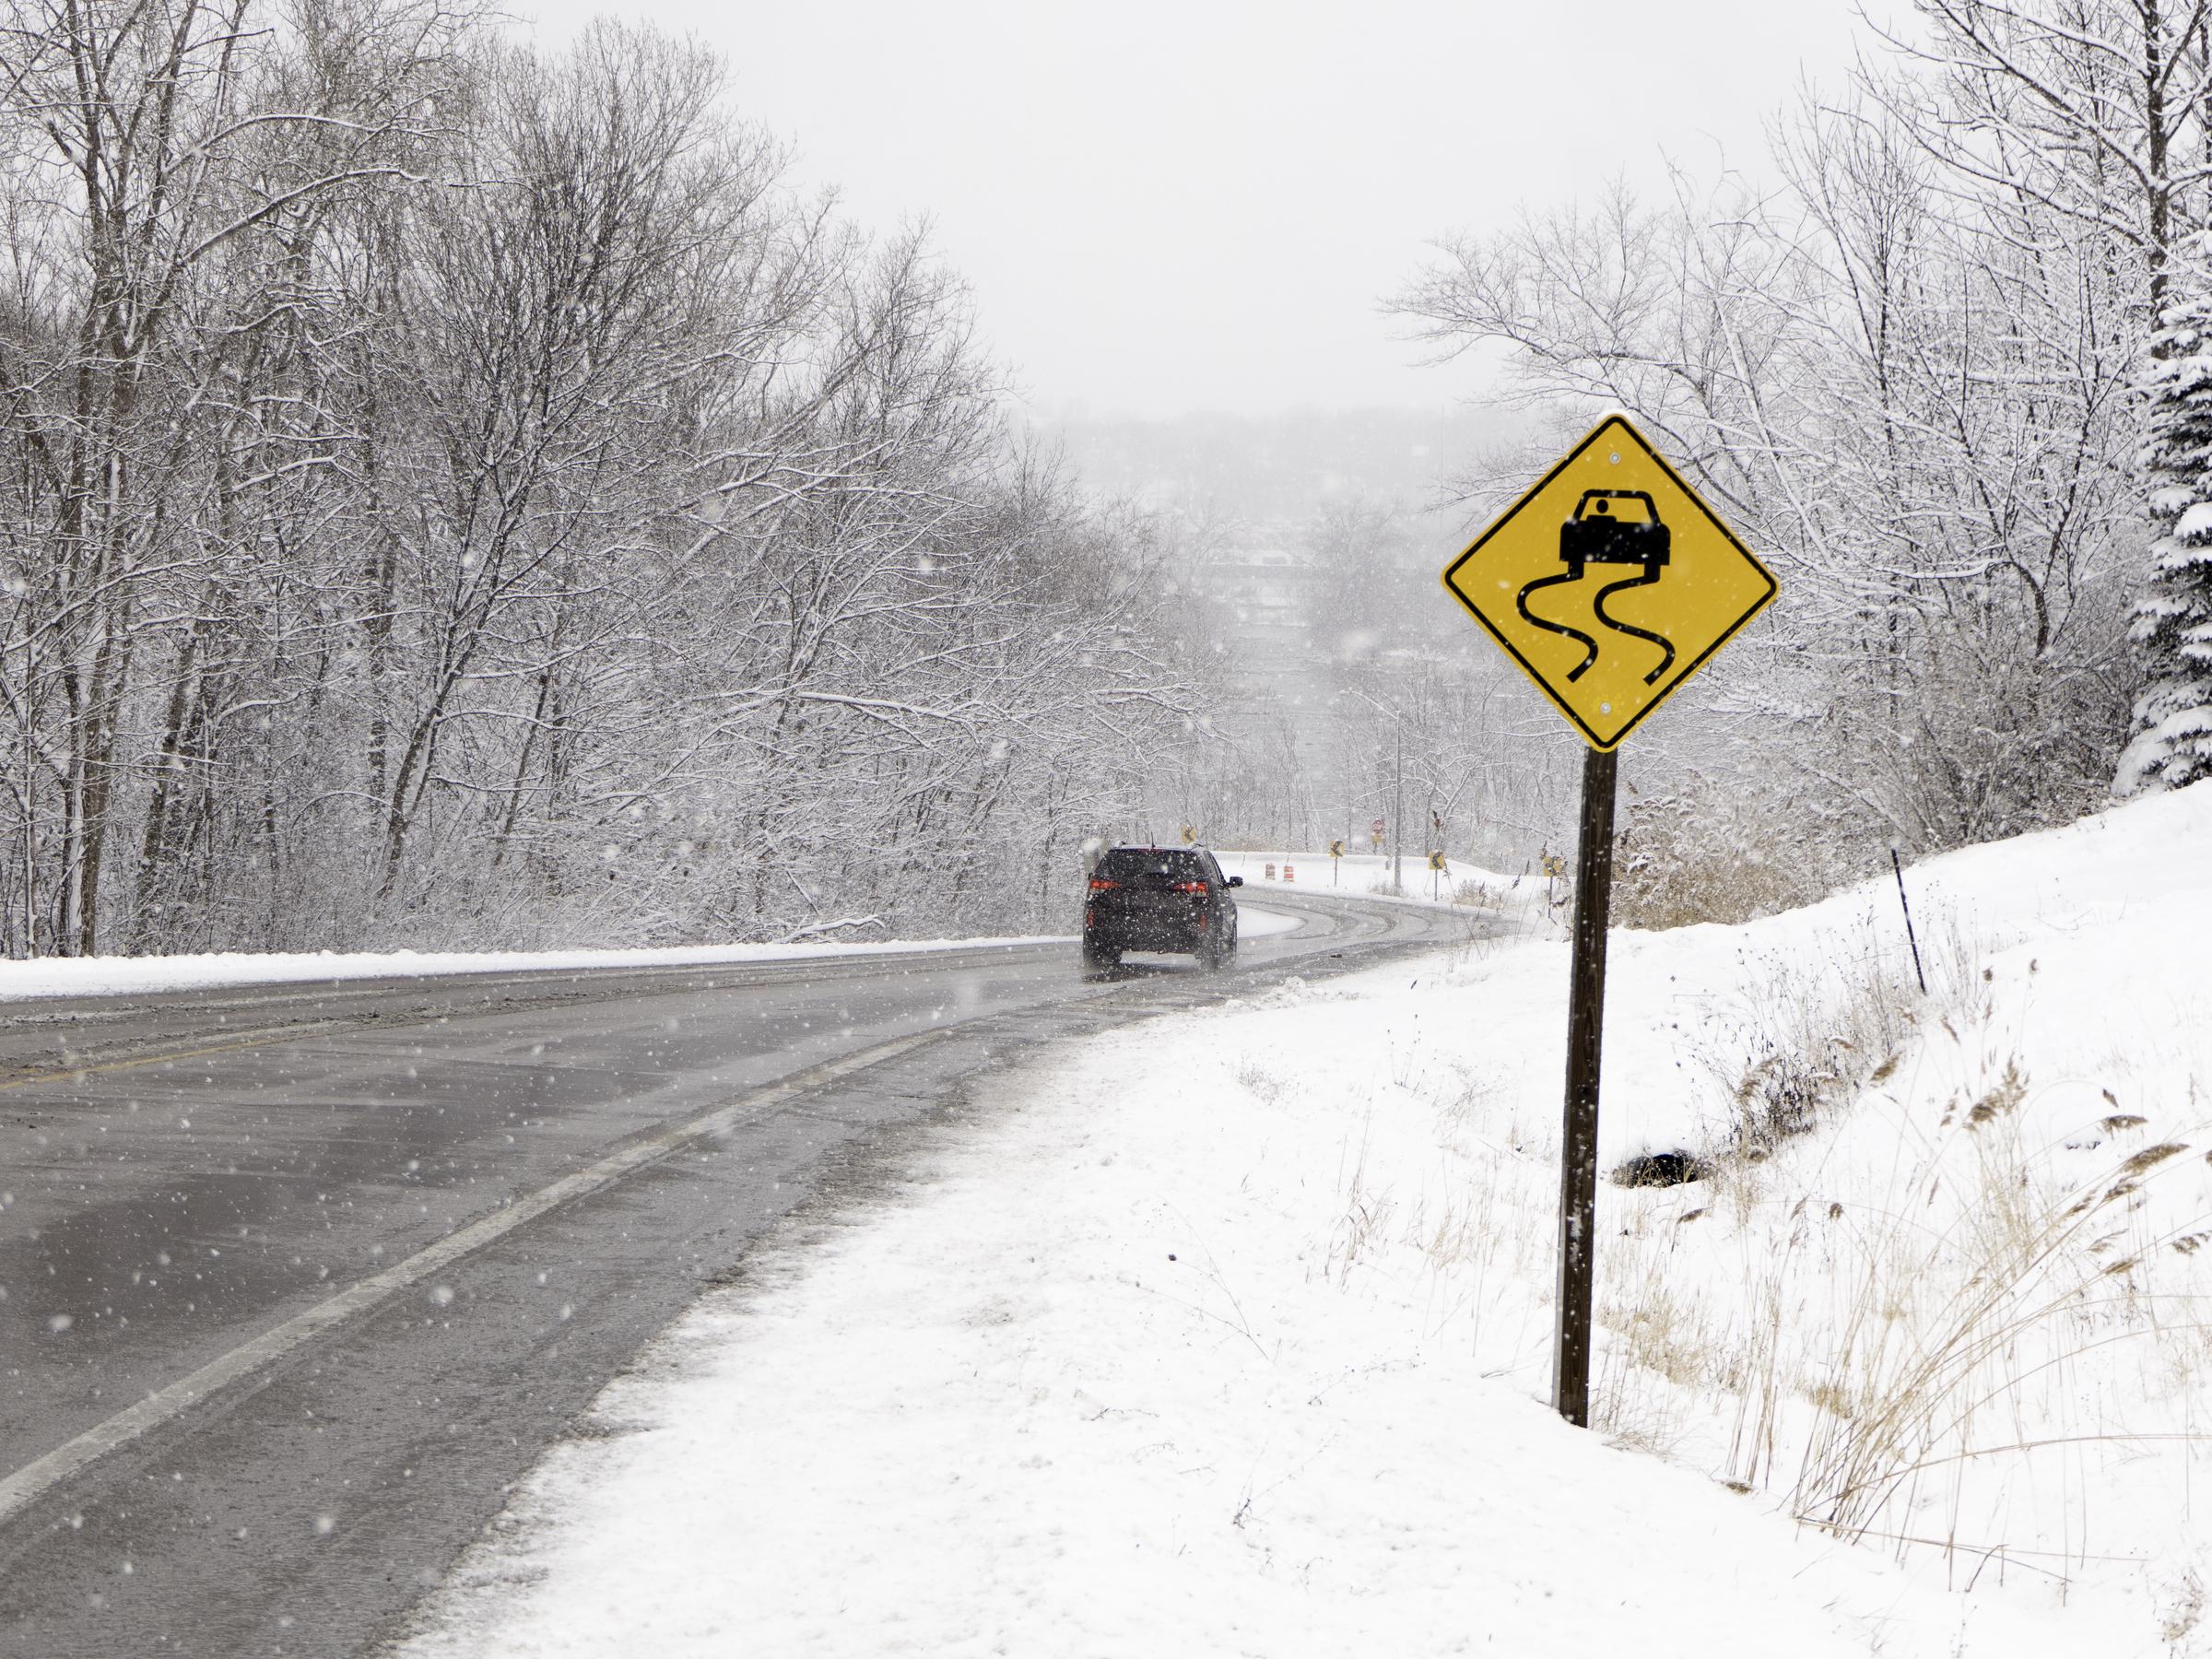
x=1159, y=899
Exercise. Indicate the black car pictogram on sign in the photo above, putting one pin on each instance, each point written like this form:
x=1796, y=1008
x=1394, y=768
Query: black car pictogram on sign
x=1597, y=534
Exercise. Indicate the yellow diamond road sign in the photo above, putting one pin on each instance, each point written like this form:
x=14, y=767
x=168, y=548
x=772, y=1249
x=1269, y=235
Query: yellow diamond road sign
x=1610, y=583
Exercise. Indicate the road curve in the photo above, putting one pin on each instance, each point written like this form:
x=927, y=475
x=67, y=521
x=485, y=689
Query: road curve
x=295, y=1280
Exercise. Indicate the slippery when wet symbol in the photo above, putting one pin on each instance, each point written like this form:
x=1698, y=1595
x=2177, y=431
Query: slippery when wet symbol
x=1610, y=583
x=1597, y=534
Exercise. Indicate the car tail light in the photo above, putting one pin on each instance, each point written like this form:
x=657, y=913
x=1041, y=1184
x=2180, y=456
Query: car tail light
x=1102, y=887
x=1191, y=887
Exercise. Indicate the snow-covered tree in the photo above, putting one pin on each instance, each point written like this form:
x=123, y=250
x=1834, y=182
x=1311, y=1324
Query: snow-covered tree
x=450, y=490
x=2093, y=110
x=1911, y=398
x=2172, y=624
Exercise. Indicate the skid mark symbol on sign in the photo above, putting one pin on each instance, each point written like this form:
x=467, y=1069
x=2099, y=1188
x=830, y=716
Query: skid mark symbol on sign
x=1597, y=534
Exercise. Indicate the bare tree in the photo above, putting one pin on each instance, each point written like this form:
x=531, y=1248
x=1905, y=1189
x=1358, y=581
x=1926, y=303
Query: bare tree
x=1915, y=403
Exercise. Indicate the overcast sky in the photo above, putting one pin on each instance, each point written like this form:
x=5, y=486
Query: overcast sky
x=1171, y=208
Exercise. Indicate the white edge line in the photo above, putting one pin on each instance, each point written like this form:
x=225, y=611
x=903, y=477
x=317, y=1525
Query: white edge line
x=34, y=1480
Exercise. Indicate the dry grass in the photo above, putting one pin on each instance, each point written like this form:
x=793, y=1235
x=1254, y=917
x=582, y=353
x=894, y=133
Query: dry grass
x=1889, y=1344
x=1894, y=1366
x=1804, y=1033
x=1955, y=1344
x=1725, y=856
x=1266, y=1085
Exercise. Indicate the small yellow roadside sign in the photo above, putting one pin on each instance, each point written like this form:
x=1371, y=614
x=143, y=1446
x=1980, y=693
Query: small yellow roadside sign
x=1438, y=861
x=1610, y=583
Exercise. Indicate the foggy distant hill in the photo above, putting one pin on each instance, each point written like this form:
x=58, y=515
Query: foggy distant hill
x=1281, y=466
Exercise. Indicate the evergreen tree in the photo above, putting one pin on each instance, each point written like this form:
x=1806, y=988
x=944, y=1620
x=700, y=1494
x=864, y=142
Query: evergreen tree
x=2172, y=623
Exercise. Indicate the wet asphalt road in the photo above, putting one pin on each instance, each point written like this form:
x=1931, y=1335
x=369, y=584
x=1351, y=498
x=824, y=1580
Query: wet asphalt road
x=186, y=1176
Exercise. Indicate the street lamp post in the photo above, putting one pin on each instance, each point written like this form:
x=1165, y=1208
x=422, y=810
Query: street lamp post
x=1397, y=830
x=1397, y=822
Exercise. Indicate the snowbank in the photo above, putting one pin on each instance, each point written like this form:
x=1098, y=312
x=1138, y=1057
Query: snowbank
x=1257, y=922
x=138, y=976
x=1367, y=876
x=131, y=976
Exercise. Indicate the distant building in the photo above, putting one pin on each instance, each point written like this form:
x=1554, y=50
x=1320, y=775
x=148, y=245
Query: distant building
x=1268, y=596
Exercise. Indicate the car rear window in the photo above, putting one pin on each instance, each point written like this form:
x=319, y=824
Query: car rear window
x=1129, y=864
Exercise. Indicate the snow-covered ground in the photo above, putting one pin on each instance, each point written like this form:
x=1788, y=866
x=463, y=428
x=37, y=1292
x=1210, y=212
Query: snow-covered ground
x=1364, y=874
x=136, y=976
x=1229, y=1332
x=1255, y=921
